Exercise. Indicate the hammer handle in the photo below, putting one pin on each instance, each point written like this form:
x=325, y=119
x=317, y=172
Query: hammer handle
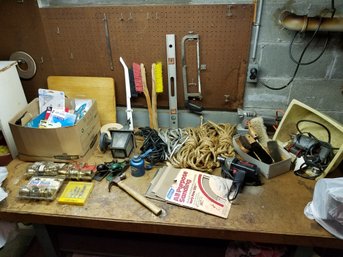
x=151, y=206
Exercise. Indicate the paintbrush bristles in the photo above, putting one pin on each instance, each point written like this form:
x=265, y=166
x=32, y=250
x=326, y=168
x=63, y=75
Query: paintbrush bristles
x=260, y=130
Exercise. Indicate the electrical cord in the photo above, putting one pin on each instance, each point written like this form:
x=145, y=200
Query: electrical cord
x=174, y=139
x=315, y=122
x=309, y=62
x=333, y=11
x=298, y=62
x=317, y=154
x=153, y=141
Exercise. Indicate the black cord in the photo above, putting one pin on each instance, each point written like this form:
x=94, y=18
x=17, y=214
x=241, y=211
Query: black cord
x=333, y=11
x=333, y=8
x=315, y=122
x=299, y=61
x=302, y=172
x=153, y=141
x=318, y=154
x=312, y=61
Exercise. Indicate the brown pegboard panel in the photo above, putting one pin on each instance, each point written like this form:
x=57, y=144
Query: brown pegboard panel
x=21, y=30
x=77, y=43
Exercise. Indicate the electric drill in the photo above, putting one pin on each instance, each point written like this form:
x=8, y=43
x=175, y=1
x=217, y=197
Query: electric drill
x=241, y=172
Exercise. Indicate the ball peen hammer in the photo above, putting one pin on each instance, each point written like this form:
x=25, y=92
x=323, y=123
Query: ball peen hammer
x=118, y=180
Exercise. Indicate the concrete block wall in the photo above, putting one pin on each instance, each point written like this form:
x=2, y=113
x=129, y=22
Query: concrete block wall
x=319, y=85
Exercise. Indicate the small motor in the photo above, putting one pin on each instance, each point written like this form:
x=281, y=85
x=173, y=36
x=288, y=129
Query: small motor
x=316, y=153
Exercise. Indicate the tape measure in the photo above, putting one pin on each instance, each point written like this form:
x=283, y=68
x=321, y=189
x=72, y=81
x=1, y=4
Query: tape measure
x=26, y=65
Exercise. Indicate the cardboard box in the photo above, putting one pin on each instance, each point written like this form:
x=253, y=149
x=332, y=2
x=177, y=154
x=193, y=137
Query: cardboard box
x=267, y=170
x=55, y=144
x=297, y=111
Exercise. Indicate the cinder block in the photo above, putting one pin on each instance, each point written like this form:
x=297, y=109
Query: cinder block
x=260, y=97
x=319, y=94
x=275, y=62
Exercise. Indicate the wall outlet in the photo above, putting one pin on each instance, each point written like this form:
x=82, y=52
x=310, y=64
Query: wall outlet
x=252, y=74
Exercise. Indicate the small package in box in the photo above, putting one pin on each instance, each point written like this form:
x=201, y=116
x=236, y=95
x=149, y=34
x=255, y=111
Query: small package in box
x=297, y=112
x=267, y=170
x=55, y=144
x=41, y=188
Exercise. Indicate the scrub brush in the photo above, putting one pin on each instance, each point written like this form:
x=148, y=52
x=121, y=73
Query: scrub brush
x=153, y=97
x=132, y=83
x=138, y=77
x=258, y=131
x=157, y=87
x=158, y=77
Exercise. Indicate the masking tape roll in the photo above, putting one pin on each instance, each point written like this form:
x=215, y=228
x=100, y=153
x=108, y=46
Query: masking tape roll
x=105, y=128
x=26, y=65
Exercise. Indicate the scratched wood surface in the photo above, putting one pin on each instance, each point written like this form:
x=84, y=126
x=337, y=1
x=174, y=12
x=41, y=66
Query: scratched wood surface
x=270, y=213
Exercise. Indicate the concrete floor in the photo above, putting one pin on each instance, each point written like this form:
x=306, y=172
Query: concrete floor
x=19, y=245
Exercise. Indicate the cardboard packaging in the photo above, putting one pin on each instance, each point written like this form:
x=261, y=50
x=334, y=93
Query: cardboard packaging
x=267, y=170
x=297, y=111
x=55, y=144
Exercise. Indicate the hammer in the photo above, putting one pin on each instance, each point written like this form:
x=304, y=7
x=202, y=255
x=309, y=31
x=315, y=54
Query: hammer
x=118, y=180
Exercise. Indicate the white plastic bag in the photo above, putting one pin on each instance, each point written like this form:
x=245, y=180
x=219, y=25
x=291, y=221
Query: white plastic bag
x=327, y=205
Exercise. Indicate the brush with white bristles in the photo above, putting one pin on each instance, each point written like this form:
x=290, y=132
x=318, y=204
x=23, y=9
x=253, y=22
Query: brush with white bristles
x=258, y=131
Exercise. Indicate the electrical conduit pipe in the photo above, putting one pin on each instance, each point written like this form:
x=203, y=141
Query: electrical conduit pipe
x=302, y=23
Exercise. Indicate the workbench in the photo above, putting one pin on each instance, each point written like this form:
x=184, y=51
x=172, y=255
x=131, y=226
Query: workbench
x=271, y=213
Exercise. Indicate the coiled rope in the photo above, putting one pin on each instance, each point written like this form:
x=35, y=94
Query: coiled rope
x=204, y=144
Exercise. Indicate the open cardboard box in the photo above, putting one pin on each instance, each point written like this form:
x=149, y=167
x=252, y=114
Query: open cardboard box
x=55, y=144
x=297, y=111
x=267, y=170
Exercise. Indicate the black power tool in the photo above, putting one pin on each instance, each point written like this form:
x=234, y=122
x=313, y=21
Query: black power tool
x=317, y=154
x=241, y=172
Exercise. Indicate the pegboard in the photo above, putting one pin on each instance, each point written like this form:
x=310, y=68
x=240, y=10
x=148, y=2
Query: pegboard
x=77, y=43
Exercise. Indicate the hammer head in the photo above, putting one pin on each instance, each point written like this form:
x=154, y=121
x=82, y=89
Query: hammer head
x=119, y=178
x=115, y=180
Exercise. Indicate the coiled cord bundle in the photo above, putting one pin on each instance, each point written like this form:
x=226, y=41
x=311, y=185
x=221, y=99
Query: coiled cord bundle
x=204, y=145
x=174, y=139
x=153, y=141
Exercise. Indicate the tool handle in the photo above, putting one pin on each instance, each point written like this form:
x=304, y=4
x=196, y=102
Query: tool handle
x=252, y=131
x=154, y=97
x=151, y=206
x=147, y=95
x=197, y=109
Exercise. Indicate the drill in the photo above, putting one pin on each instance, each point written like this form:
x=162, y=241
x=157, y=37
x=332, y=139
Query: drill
x=241, y=172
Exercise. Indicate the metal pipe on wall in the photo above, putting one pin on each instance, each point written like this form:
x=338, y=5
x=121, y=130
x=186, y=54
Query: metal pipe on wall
x=302, y=23
x=257, y=25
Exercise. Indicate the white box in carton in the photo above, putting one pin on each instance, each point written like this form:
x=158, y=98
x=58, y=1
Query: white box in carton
x=55, y=144
x=267, y=170
x=298, y=111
